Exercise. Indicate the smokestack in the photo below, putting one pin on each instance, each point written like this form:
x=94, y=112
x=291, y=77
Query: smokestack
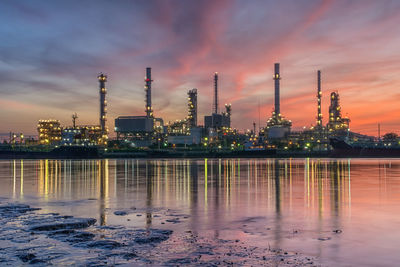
x=147, y=88
x=319, y=95
x=216, y=93
x=277, y=77
x=103, y=103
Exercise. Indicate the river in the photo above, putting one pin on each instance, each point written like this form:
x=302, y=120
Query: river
x=329, y=212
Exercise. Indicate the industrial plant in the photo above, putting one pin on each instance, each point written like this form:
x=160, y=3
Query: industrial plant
x=50, y=131
x=147, y=132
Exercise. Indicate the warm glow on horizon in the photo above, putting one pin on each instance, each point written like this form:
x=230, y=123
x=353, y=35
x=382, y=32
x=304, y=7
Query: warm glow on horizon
x=51, y=54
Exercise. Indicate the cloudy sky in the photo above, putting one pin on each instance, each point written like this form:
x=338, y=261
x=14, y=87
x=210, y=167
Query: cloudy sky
x=51, y=52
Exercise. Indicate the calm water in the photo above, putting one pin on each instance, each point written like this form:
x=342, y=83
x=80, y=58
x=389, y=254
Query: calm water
x=293, y=204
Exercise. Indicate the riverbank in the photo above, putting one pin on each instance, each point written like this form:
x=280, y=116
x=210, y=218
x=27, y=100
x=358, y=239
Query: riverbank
x=95, y=154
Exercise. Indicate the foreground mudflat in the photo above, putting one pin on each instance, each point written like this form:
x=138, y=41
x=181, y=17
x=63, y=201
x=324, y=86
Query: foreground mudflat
x=28, y=236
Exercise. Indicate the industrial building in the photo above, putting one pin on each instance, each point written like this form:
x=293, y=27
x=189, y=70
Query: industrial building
x=86, y=135
x=216, y=121
x=146, y=130
x=89, y=135
x=336, y=122
x=127, y=125
x=277, y=126
x=49, y=132
x=185, y=132
x=141, y=131
x=183, y=127
x=178, y=127
x=138, y=127
x=316, y=138
x=192, y=138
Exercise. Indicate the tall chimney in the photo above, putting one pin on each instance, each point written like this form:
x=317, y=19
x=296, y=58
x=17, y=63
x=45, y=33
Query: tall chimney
x=103, y=103
x=147, y=88
x=277, y=77
x=216, y=93
x=319, y=95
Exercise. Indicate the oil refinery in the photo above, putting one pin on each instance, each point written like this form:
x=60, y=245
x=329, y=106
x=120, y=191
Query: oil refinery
x=147, y=132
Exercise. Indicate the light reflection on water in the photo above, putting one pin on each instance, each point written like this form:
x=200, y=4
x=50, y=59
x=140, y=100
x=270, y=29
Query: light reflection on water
x=293, y=204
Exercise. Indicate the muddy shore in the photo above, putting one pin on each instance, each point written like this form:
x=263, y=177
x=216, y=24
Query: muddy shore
x=30, y=237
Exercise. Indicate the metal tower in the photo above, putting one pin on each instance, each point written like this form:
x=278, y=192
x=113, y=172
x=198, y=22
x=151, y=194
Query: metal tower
x=277, y=77
x=74, y=117
x=103, y=103
x=277, y=125
x=216, y=93
x=147, y=88
x=319, y=95
x=192, y=108
x=336, y=122
x=228, y=113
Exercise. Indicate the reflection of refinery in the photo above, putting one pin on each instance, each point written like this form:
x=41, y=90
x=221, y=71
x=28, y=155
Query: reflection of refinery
x=147, y=131
x=278, y=184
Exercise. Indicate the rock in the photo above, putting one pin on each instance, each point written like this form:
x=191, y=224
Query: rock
x=71, y=223
x=61, y=232
x=176, y=220
x=155, y=236
x=26, y=257
x=129, y=256
x=34, y=261
x=179, y=261
x=105, y=244
x=81, y=237
x=15, y=210
x=120, y=213
x=324, y=238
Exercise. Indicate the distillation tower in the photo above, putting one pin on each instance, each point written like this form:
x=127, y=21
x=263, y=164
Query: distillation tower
x=216, y=93
x=147, y=88
x=319, y=96
x=103, y=108
x=336, y=121
x=192, y=108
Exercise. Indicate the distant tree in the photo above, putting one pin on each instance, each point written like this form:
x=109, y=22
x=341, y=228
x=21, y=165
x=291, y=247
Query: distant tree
x=390, y=137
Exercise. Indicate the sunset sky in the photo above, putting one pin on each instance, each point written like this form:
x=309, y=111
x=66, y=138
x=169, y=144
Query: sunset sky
x=52, y=51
